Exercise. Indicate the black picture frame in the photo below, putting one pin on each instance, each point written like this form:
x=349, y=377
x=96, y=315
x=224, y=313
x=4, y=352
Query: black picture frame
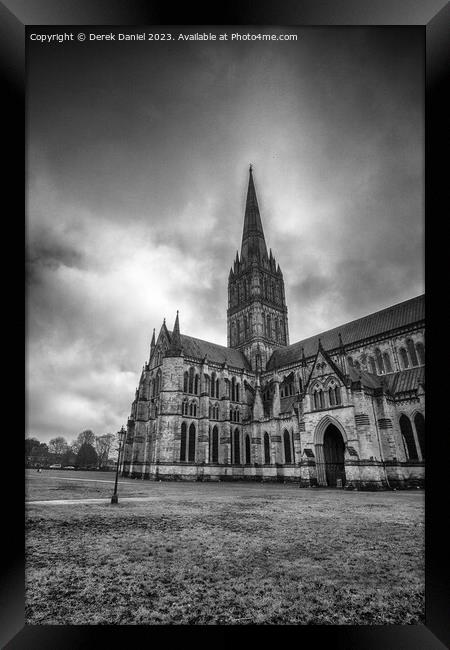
x=433, y=17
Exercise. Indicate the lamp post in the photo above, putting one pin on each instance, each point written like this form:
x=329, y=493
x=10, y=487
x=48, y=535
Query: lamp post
x=122, y=434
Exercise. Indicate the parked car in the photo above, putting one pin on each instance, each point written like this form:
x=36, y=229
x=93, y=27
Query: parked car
x=68, y=467
x=56, y=466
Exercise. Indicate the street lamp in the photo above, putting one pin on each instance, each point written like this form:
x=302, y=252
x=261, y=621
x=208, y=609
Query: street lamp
x=122, y=434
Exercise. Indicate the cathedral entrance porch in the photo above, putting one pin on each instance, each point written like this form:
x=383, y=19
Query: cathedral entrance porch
x=329, y=443
x=333, y=451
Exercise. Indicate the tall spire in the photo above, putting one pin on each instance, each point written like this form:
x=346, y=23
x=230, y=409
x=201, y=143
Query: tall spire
x=253, y=242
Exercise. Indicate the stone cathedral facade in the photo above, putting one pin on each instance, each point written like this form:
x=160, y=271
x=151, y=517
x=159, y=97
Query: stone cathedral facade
x=344, y=408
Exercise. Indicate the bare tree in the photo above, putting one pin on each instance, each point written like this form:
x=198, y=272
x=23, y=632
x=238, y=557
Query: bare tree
x=103, y=447
x=86, y=436
x=58, y=446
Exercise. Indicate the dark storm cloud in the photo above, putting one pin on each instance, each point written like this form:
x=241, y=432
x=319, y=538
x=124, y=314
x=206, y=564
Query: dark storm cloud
x=137, y=176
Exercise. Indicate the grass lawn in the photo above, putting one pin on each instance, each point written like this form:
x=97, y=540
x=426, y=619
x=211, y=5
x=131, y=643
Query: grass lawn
x=227, y=553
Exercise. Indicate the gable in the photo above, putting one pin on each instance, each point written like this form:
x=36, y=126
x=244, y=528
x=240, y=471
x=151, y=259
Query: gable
x=323, y=368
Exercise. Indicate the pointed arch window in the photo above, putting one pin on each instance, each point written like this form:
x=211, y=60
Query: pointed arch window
x=331, y=396
x=269, y=327
x=404, y=358
x=233, y=389
x=408, y=437
x=287, y=447
x=183, y=444
x=247, y=450
x=238, y=329
x=379, y=359
x=420, y=349
x=334, y=394
x=266, y=449
x=372, y=366
x=191, y=380
x=215, y=445
x=318, y=398
x=207, y=385
x=238, y=388
x=236, y=447
x=387, y=362
x=214, y=412
x=191, y=444
x=412, y=352
x=196, y=384
x=185, y=407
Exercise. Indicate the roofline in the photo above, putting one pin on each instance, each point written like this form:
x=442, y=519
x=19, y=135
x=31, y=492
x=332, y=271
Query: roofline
x=362, y=318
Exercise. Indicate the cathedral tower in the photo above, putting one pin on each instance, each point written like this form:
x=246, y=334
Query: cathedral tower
x=257, y=313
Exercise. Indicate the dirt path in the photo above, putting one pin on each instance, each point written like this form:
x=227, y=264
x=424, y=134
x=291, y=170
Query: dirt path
x=64, y=502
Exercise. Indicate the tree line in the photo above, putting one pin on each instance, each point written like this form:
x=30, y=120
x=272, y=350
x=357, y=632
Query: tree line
x=86, y=451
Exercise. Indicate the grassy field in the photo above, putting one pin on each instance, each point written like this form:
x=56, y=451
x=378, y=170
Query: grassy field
x=228, y=553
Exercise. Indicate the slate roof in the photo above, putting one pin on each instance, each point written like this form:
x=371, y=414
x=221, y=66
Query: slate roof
x=193, y=347
x=405, y=380
x=400, y=315
x=394, y=382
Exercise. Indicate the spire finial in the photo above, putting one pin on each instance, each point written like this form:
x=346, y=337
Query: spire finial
x=253, y=242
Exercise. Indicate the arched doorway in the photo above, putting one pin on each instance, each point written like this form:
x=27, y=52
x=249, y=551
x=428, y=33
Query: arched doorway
x=333, y=452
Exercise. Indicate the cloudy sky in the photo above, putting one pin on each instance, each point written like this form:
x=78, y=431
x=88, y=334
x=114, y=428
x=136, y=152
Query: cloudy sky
x=138, y=159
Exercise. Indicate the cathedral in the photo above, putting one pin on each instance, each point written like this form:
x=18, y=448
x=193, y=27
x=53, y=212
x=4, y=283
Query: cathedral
x=344, y=408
